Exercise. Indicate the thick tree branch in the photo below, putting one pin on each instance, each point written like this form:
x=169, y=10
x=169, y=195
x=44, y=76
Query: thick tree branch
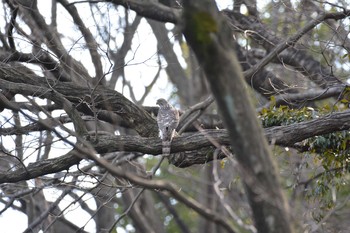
x=265, y=82
x=279, y=135
x=208, y=34
x=10, y=28
x=151, y=9
x=293, y=99
x=297, y=58
x=74, y=155
x=293, y=39
x=41, y=168
x=136, y=117
x=164, y=186
x=42, y=58
x=291, y=134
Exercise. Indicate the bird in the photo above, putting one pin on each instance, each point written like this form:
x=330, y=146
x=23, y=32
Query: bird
x=168, y=120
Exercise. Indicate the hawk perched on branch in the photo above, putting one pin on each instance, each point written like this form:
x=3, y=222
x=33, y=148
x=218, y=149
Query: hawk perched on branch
x=168, y=120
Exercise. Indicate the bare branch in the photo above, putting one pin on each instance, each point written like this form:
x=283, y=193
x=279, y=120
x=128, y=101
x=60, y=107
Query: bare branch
x=293, y=39
x=43, y=215
x=280, y=135
x=10, y=28
x=169, y=187
x=151, y=9
x=309, y=96
x=297, y=58
x=106, y=99
x=200, y=107
x=90, y=40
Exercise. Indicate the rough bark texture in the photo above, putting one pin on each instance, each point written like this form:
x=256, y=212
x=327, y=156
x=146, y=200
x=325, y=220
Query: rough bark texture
x=189, y=149
x=84, y=98
x=207, y=34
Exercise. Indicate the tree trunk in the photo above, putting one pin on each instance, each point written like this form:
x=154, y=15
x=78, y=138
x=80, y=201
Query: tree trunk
x=207, y=33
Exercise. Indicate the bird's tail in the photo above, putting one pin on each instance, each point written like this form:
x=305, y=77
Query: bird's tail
x=166, y=148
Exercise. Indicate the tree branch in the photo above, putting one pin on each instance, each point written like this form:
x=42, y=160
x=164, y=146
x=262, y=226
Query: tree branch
x=89, y=38
x=10, y=28
x=136, y=117
x=293, y=39
x=297, y=58
x=291, y=99
x=199, y=142
x=151, y=9
x=164, y=186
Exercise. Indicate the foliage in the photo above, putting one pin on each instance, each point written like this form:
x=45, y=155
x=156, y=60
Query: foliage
x=331, y=151
x=283, y=115
x=333, y=148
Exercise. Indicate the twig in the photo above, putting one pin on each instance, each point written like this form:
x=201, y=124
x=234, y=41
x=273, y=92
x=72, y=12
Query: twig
x=197, y=107
x=16, y=196
x=91, y=43
x=292, y=40
x=153, y=172
x=149, y=87
x=61, y=213
x=229, y=210
x=307, y=182
x=157, y=184
x=43, y=215
x=304, y=97
x=190, y=121
x=329, y=213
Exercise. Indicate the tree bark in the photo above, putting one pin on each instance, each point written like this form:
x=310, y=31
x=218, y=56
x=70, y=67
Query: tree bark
x=206, y=32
